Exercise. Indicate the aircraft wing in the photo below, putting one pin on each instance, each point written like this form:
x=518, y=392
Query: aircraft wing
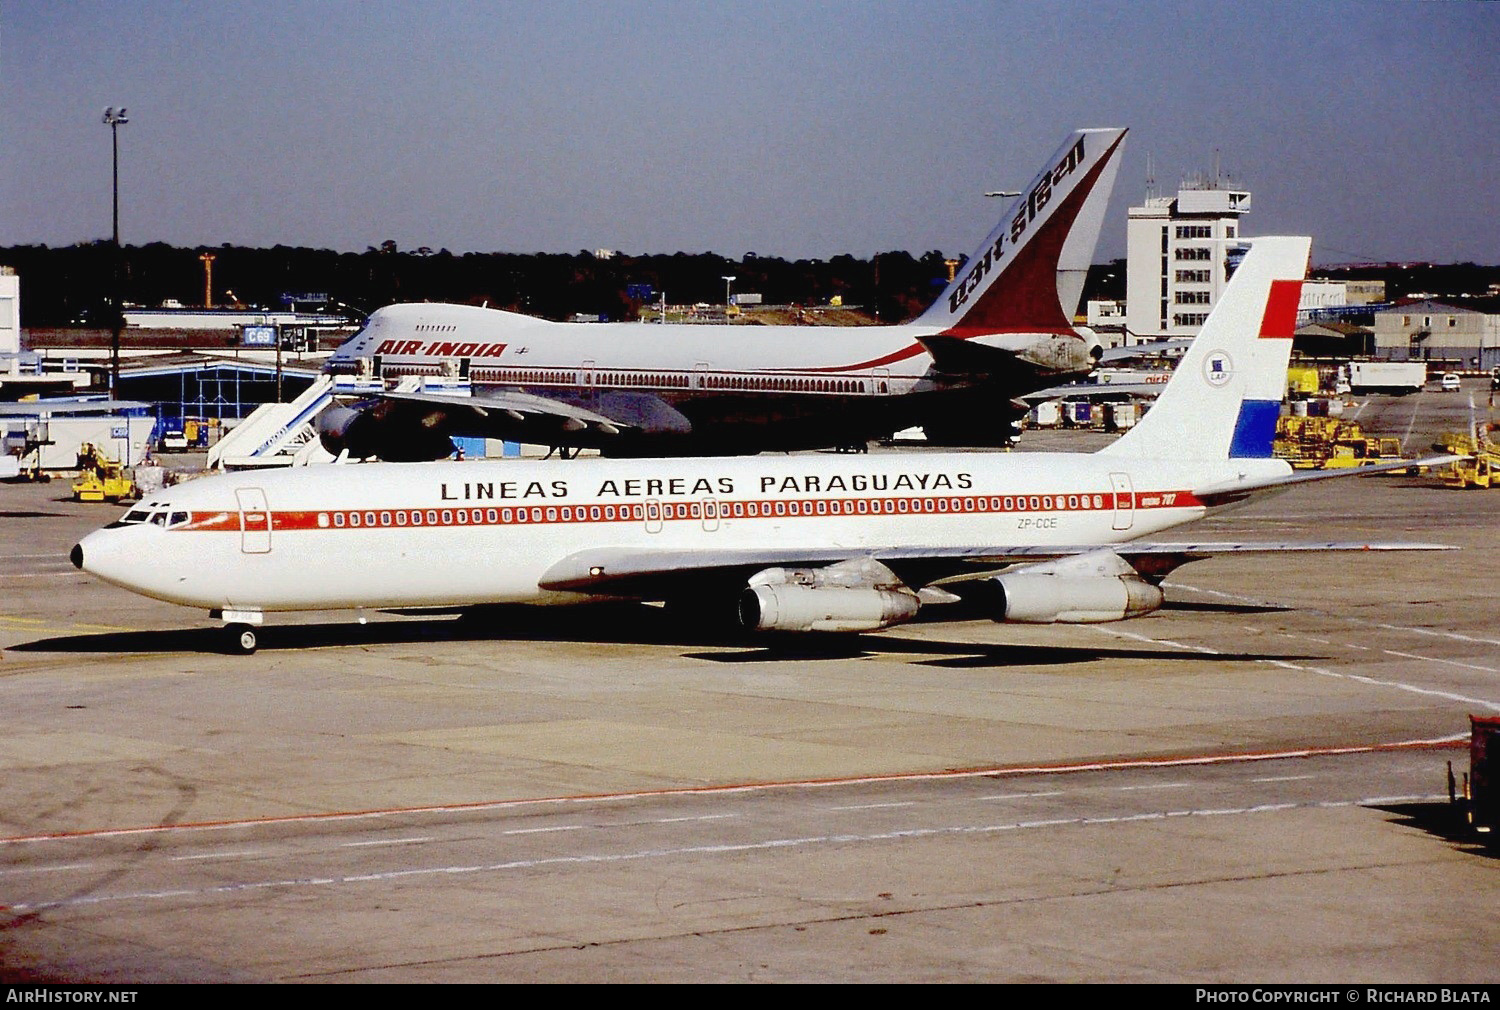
x=1093, y=390
x=401, y=425
x=512, y=406
x=1146, y=351
x=658, y=574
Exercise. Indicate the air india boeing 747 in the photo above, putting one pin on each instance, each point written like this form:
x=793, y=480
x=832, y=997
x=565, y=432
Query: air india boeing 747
x=1003, y=327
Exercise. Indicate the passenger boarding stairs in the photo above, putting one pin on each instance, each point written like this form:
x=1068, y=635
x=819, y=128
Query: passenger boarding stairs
x=282, y=434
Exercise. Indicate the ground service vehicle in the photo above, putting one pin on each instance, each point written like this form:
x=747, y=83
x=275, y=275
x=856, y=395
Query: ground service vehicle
x=99, y=477
x=1387, y=376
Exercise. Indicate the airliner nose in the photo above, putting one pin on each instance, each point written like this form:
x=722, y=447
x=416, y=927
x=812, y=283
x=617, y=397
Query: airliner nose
x=76, y=556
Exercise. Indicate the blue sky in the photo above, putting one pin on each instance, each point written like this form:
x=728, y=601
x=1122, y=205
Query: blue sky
x=791, y=129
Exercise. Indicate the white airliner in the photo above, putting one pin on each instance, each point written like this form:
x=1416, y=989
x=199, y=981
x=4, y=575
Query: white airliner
x=800, y=543
x=1004, y=326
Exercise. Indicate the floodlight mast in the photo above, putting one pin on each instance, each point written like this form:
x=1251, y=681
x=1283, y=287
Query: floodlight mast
x=114, y=119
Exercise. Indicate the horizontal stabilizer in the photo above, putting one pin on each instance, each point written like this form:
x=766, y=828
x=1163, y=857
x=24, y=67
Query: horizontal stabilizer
x=1228, y=492
x=957, y=356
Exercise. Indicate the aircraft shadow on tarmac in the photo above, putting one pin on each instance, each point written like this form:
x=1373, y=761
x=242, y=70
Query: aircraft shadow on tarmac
x=1446, y=821
x=629, y=624
x=1182, y=606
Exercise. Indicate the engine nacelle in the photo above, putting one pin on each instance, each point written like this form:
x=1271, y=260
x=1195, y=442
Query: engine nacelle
x=1054, y=599
x=856, y=595
x=1088, y=589
x=333, y=426
x=364, y=432
x=790, y=607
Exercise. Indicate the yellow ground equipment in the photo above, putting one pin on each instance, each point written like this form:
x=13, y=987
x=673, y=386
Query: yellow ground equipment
x=1326, y=443
x=1302, y=381
x=1482, y=468
x=99, y=477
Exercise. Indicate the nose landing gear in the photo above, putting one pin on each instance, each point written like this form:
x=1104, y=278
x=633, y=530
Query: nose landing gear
x=240, y=639
x=241, y=630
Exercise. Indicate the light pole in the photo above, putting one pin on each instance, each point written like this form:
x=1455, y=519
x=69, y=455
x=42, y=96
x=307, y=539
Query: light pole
x=208, y=278
x=727, y=282
x=114, y=119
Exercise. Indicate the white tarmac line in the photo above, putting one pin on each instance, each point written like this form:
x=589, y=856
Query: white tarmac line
x=599, y=859
x=1004, y=771
x=1464, y=699
x=1257, y=602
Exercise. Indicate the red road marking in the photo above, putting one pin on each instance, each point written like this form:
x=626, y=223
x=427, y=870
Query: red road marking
x=1000, y=771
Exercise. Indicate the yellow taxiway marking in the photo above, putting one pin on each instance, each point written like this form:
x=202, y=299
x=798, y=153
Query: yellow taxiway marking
x=42, y=623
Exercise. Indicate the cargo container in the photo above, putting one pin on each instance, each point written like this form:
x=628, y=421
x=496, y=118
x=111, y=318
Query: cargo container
x=1120, y=416
x=1047, y=414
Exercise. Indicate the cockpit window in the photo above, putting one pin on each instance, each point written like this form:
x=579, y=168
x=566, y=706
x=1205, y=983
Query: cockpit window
x=130, y=519
x=177, y=519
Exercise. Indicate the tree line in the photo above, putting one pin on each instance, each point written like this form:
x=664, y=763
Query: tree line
x=70, y=285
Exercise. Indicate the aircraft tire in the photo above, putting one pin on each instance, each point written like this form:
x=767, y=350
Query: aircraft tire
x=241, y=639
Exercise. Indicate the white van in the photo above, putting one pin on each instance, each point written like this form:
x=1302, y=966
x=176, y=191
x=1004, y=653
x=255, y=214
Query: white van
x=1449, y=383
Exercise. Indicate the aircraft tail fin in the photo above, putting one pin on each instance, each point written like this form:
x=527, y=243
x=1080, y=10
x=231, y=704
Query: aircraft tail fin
x=1028, y=275
x=1225, y=395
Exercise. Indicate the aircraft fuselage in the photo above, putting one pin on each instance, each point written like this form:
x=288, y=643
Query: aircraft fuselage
x=688, y=390
x=456, y=534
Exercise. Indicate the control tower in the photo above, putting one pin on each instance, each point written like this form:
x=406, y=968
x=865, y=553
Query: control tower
x=1177, y=252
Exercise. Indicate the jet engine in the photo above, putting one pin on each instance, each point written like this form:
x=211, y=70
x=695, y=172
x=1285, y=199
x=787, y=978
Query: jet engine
x=364, y=431
x=860, y=595
x=1088, y=589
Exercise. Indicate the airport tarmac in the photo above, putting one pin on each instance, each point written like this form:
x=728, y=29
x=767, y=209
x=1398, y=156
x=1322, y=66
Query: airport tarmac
x=1247, y=786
